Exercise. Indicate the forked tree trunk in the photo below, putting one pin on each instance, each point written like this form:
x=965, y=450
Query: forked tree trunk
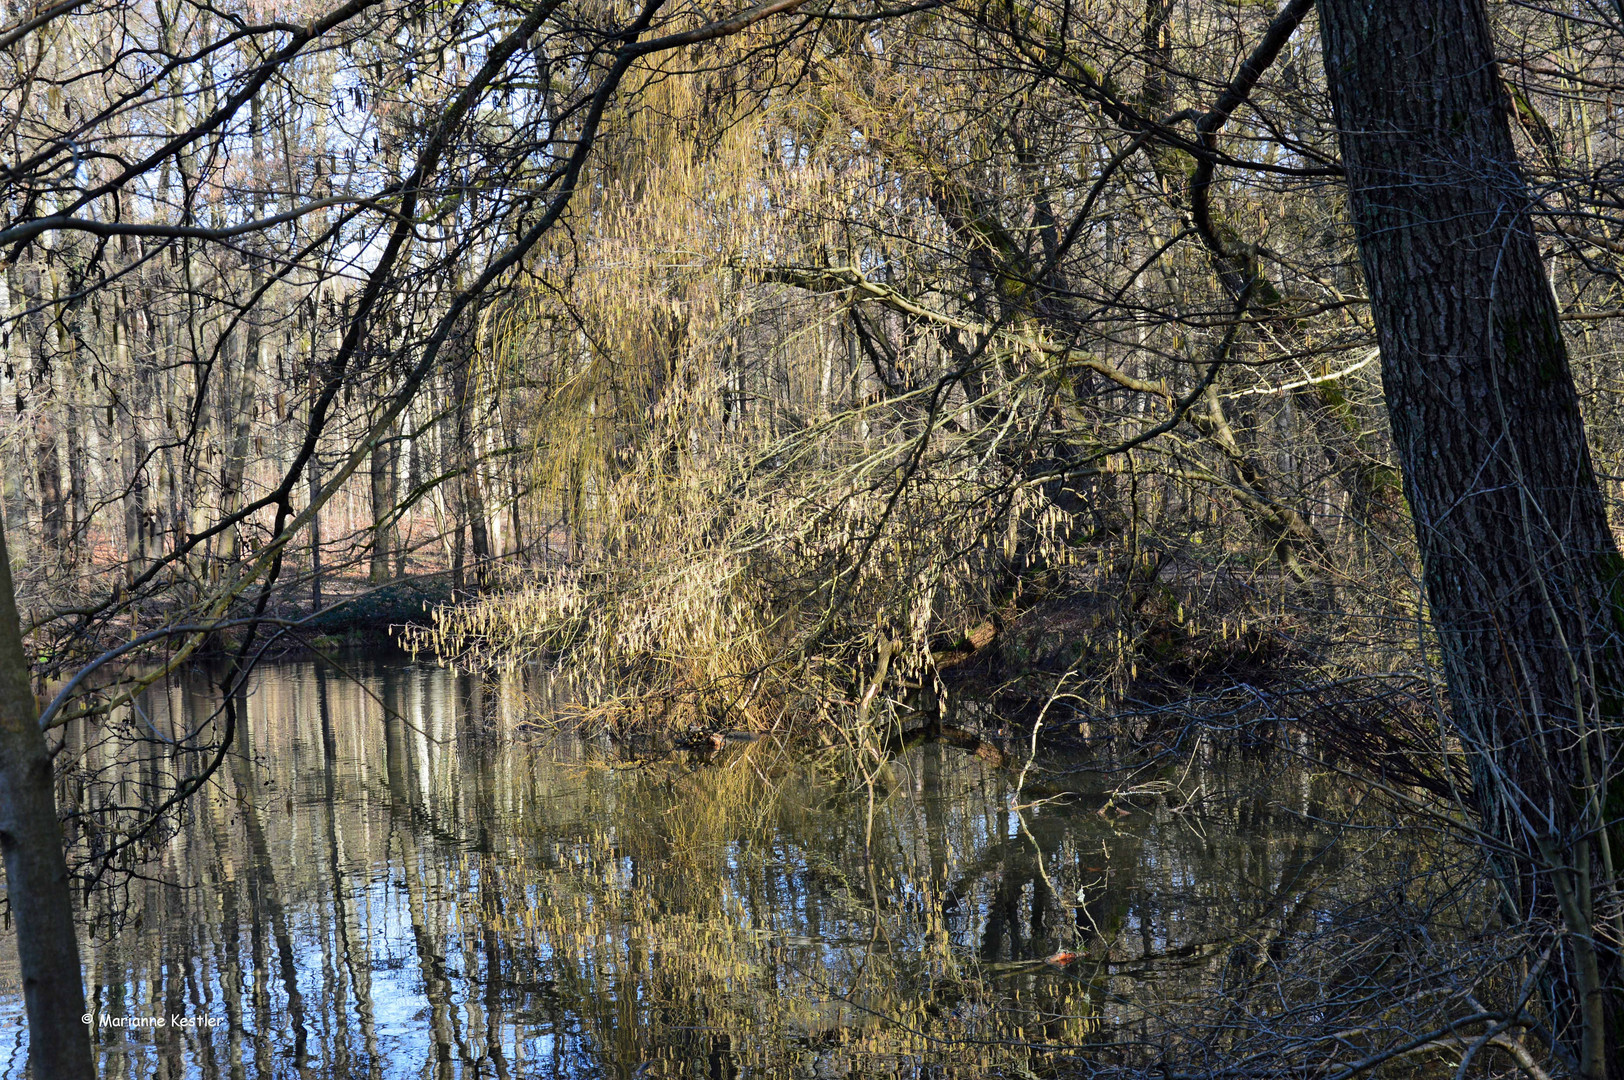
x=1521, y=570
x=36, y=871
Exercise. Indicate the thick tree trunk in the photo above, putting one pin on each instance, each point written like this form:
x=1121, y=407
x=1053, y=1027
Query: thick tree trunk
x=36, y=871
x=1521, y=570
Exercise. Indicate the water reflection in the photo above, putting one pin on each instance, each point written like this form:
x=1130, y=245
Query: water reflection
x=402, y=878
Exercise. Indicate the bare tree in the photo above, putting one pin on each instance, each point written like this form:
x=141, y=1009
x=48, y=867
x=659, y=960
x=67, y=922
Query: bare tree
x=38, y=888
x=1522, y=573
x=134, y=168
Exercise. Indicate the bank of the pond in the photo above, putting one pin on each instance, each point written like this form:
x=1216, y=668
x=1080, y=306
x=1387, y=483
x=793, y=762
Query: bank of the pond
x=1081, y=649
x=356, y=617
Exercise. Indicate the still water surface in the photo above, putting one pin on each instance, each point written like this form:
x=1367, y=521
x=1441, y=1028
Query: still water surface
x=405, y=878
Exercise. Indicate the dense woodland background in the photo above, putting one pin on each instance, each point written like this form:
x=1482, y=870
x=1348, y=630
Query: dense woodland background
x=854, y=335
x=777, y=370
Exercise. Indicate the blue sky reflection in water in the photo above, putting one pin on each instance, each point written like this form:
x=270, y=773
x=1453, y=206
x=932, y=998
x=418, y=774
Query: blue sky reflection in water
x=452, y=893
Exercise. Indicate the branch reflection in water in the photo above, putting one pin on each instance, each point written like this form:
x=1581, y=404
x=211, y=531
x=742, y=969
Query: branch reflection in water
x=409, y=877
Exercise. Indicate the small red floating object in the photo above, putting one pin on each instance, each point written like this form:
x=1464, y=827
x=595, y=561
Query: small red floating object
x=1061, y=959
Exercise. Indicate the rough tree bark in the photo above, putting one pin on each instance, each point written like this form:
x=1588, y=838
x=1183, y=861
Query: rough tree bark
x=36, y=871
x=1521, y=570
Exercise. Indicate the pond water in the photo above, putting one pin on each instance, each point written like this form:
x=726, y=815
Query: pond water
x=407, y=877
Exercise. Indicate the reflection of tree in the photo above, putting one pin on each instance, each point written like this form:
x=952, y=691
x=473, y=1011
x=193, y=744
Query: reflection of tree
x=227, y=939
x=555, y=910
x=425, y=934
x=265, y=906
x=479, y=773
x=353, y=954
